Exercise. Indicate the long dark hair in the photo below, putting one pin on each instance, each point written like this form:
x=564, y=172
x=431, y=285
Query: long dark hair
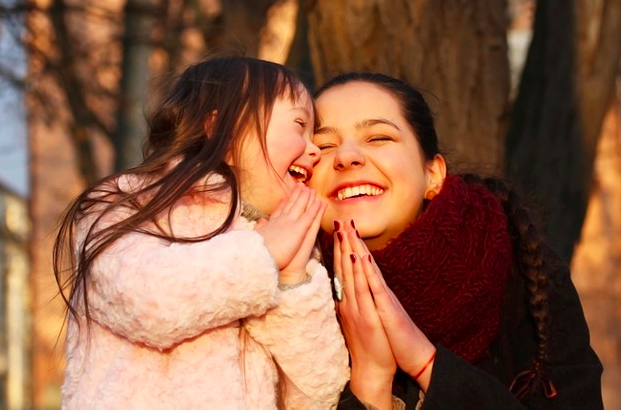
x=533, y=259
x=197, y=129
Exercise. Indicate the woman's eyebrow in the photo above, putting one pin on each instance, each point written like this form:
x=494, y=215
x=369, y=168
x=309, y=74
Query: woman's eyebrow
x=359, y=125
x=376, y=121
x=326, y=130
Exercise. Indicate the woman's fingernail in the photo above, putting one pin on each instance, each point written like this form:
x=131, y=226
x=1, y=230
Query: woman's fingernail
x=352, y=224
x=370, y=258
x=340, y=236
x=357, y=233
x=352, y=257
x=337, y=225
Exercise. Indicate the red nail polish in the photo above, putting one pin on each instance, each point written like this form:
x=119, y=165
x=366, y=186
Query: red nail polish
x=370, y=258
x=340, y=236
x=352, y=257
x=337, y=225
x=352, y=224
x=357, y=233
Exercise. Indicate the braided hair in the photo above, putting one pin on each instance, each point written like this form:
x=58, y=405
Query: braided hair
x=533, y=262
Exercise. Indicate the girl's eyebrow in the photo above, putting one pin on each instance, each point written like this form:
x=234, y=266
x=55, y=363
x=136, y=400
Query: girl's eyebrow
x=359, y=125
x=301, y=108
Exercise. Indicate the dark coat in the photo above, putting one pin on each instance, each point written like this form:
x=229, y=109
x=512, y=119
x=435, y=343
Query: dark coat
x=572, y=365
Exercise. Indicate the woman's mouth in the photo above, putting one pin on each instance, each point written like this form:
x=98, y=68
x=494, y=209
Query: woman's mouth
x=356, y=191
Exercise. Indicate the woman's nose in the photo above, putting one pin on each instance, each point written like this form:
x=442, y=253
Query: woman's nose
x=348, y=156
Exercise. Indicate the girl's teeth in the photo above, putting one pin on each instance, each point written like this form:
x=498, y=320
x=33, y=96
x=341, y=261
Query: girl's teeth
x=300, y=171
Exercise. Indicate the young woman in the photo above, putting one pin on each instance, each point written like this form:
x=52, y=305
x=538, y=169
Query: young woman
x=449, y=297
x=182, y=293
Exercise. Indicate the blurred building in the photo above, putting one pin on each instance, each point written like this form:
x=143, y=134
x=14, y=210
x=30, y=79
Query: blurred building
x=15, y=316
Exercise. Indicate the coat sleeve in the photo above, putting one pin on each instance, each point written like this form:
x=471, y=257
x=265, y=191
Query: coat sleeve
x=305, y=340
x=159, y=293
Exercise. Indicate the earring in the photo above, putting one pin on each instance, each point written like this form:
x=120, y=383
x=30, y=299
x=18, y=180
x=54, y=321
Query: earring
x=430, y=194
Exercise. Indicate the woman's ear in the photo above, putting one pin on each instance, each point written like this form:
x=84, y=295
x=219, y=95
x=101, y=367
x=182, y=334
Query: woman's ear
x=435, y=172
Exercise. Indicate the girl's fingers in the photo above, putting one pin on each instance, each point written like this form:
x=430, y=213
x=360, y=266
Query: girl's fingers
x=312, y=198
x=298, y=200
x=316, y=212
x=316, y=224
x=278, y=211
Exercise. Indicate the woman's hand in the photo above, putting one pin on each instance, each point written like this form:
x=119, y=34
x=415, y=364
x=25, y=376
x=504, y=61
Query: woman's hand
x=372, y=362
x=291, y=231
x=411, y=348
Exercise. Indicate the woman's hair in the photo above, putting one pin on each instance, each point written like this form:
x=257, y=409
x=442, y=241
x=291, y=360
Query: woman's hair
x=533, y=260
x=198, y=128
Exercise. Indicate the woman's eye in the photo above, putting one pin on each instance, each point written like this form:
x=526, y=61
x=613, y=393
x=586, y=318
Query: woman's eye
x=375, y=138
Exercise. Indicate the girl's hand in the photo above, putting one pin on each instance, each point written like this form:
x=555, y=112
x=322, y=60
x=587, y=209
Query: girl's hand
x=372, y=361
x=291, y=231
x=411, y=348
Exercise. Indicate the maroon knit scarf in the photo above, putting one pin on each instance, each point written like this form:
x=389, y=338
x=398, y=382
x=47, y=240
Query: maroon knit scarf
x=449, y=269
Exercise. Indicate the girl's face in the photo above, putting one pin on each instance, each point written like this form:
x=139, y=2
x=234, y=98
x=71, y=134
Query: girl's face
x=291, y=154
x=372, y=169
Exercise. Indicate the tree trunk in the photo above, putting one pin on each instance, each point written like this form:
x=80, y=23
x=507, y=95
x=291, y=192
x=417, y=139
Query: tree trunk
x=564, y=93
x=598, y=49
x=135, y=75
x=238, y=27
x=455, y=50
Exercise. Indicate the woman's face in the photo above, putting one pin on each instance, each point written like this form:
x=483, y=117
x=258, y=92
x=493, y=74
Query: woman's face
x=267, y=178
x=372, y=169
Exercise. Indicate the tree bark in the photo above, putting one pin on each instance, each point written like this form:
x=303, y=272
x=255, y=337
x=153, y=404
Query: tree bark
x=137, y=47
x=566, y=87
x=455, y=50
x=237, y=29
x=598, y=43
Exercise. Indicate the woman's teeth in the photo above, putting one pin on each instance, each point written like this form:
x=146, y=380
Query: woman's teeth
x=354, y=191
x=298, y=173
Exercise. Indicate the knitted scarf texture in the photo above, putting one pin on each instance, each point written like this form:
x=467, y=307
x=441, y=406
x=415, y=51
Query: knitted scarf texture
x=449, y=269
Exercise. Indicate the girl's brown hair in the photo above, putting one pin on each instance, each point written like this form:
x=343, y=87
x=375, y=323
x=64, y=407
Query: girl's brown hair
x=196, y=130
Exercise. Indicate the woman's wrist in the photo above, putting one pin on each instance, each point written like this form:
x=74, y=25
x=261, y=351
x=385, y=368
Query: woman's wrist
x=422, y=374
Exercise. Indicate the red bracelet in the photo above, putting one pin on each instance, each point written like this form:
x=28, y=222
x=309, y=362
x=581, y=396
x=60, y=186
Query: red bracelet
x=433, y=356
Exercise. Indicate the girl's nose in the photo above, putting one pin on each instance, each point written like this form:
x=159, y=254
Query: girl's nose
x=348, y=156
x=313, y=152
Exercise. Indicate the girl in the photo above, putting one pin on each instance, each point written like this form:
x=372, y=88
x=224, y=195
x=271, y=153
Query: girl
x=178, y=297
x=451, y=299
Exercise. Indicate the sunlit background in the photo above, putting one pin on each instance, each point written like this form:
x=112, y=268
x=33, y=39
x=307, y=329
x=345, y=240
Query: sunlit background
x=75, y=76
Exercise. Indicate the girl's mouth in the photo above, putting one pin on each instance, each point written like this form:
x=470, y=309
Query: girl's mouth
x=299, y=173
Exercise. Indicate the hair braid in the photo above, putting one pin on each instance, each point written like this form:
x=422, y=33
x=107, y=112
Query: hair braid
x=530, y=251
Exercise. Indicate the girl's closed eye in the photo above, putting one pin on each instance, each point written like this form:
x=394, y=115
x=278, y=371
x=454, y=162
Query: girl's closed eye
x=325, y=146
x=301, y=123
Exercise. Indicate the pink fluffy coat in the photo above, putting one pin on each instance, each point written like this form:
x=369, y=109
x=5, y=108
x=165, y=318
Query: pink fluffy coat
x=201, y=325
